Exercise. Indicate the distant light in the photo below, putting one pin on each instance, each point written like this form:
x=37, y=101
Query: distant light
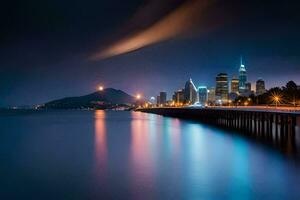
x=276, y=98
x=138, y=96
x=152, y=98
x=100, y=88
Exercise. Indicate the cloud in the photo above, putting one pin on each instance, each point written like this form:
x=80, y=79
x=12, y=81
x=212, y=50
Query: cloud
x=178, y=22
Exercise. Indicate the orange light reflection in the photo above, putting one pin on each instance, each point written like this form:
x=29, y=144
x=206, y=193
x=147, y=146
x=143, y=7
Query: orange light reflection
x=100, y=142
x=141, y=155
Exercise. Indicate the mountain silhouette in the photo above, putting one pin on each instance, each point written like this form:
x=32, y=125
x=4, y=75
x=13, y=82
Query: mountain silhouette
x=107, y=98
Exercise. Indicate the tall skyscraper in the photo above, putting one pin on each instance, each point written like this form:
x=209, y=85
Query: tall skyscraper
x=211, y=95
x=190, y=92
x=202, y=90
x=234, y=85
x=163, y=97
x=222, y=87
x=260, y=87
x=242, y=77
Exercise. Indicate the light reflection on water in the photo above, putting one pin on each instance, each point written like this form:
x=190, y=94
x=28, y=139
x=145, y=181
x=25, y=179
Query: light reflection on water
x=100, y=143
x=170, y=158
x=118, y=155
x=141, y=157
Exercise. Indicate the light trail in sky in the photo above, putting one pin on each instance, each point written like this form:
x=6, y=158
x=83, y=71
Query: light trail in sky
x=180, y=21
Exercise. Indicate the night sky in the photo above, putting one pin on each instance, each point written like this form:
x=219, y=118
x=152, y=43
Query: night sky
x=52, y=48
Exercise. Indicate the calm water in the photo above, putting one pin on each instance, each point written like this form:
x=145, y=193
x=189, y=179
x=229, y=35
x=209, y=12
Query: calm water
x=132, y=155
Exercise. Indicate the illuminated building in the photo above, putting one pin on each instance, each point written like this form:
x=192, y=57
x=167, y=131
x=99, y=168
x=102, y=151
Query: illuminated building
x=222, y=87
x=211, y=95
x=163, y=98
x=158, y=100
x=234, y=85
x=242, y=77
x=203, y=96
x=190, y=92
x=178, y=96
x=260, y=87
x=247, y=92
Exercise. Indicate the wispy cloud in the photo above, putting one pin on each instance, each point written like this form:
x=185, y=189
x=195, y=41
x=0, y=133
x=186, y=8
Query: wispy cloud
x=182, y=20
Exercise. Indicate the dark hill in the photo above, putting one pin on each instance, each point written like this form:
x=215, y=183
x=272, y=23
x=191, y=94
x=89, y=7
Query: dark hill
x=107, y=98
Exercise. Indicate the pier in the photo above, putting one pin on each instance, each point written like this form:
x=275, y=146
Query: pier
x=279, y=128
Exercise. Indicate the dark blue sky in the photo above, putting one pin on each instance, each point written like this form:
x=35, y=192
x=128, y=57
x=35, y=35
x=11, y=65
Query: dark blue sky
x=45, y=46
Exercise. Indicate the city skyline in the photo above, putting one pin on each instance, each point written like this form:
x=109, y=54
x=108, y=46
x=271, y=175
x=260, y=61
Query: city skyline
x=234, y=87
x=172, y=91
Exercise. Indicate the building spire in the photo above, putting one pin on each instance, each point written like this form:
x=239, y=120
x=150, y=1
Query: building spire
x=242, y=60
x=242, y=66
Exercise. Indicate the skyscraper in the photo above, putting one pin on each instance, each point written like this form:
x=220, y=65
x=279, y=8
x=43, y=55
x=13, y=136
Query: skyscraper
x=178, y=96
x=242, y=77
x=260, y=87
x=234, y=85
x=247, y=91
x=222, y=87
x=190, y=92
x=163, y=97
x=211, y=95
x=202, y=90
x=158, y=100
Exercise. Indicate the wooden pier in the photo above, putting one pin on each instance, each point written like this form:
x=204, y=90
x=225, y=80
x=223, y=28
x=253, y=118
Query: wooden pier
x=277, y=127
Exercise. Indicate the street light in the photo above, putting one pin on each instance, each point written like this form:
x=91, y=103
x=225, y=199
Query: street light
x=276, y=100
x=229, y=101
x=138, y=96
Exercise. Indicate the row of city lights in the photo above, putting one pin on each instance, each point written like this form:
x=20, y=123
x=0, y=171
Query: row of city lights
x=275, y=97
